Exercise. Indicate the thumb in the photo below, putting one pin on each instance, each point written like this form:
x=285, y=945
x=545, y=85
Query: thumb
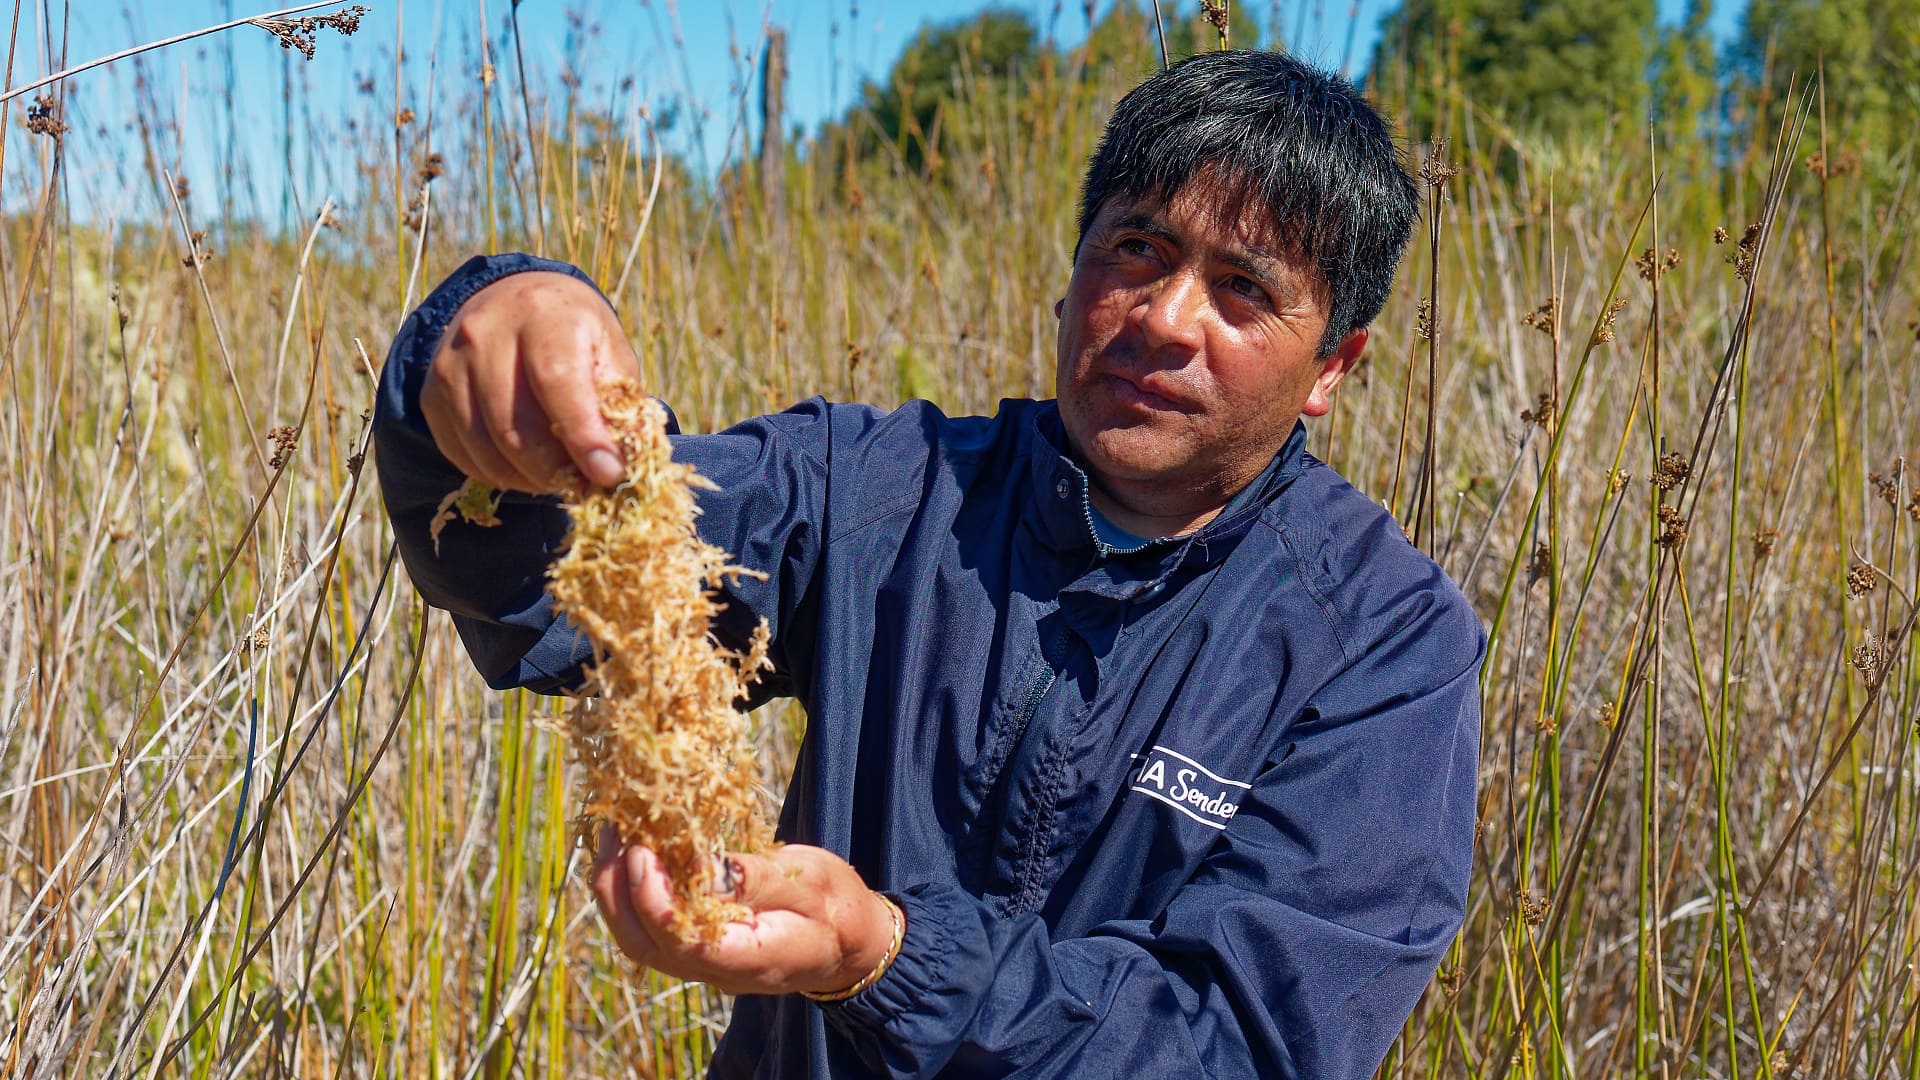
x=564, y=367
x=774, y=882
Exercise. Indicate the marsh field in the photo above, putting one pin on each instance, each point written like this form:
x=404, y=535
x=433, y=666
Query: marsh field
x=1648, y=397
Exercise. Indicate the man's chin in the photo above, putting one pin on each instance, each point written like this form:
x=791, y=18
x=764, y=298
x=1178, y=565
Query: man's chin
x=1123, y=454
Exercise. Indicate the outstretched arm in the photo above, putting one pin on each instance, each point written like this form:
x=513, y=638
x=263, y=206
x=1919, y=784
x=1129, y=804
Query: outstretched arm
x=453, y=364
x=495, y=377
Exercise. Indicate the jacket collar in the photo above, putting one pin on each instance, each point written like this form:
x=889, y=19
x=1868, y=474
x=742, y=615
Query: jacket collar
x=1064, y=515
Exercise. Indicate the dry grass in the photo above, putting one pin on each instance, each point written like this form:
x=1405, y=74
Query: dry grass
x=260, y=816
x=665, y=754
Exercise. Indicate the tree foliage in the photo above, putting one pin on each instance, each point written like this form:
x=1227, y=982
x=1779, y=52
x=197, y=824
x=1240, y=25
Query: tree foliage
x=990, y=46
x=1125, y=34
x=1869, y=51
x=1685, y=83
x=1552, y=66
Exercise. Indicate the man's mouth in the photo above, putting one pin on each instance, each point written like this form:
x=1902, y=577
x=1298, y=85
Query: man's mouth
x=1146, y=393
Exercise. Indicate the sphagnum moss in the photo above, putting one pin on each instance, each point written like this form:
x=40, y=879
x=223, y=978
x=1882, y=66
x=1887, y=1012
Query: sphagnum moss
x=665, y=752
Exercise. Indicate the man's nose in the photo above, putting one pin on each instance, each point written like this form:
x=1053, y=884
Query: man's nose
x=1172, y=310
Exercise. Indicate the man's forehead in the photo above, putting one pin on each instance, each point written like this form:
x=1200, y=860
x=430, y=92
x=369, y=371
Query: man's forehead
x=1225, y=212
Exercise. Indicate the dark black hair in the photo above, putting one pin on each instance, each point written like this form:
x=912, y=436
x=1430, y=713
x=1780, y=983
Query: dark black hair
x=1301, y=144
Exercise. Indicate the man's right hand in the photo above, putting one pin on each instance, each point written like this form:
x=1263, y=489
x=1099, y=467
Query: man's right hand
x=512, y=397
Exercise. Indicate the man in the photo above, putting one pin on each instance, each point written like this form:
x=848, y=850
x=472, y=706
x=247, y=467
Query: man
x=1139, y=742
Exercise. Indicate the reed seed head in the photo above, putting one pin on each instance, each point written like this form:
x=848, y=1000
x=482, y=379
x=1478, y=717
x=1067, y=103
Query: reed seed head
x=1545, y=317
x=1533, y=907
x=43, y=117
x=198, y=253
x=1605, y=331
x=1839, y=164
x=1673, y=531
x=1651, y=264
x=299, y=34
x=1435, y=169
x=1887, y=487
x=284, y=439
x=1541, y=564
x=1742, y=257
x=1672, y=470
x=1868, y=657
x=1542, y=412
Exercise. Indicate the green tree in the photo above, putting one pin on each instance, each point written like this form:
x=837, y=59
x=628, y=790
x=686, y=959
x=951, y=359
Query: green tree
x=990, y=45
x=1870, y=50
x=1685, y=88
x=1125, y=36
x=1550, y=66
x=1123, y=39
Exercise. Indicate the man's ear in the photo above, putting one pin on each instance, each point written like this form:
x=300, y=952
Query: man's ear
x=1059, y=306
x=1334, y=367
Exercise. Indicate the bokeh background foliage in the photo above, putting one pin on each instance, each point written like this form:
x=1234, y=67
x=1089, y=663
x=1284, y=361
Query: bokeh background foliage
x=1644, y=387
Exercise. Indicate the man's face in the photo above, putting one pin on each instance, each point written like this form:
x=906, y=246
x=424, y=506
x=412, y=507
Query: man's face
x=1187, y=346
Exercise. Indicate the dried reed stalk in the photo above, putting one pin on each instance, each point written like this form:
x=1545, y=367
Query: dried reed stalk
x=665, y=752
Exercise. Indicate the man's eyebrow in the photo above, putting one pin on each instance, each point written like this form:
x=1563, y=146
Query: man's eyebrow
x=1144, y=223
x=1257, y=261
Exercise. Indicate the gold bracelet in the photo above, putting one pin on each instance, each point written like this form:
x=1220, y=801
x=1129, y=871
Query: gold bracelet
x=886, y=960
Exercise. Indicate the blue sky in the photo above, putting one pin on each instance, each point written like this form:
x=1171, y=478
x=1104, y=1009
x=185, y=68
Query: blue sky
x=676, y=53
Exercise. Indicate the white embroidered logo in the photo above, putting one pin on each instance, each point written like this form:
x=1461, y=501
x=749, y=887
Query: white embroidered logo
x=1187, y=786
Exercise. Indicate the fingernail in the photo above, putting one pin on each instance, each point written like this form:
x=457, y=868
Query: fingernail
x=603, y=468
x=636, y=863
x=729, y=874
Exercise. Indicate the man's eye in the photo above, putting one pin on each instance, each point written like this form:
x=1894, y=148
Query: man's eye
x=1134, y=245
x=1247, y=289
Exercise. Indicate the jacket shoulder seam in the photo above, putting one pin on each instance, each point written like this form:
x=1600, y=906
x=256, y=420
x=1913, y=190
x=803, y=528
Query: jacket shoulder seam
x=1307, y=582
x=879, y=513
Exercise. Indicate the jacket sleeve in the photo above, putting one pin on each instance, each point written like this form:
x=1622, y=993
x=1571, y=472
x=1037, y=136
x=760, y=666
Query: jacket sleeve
x=1298, y=949
x=766, y=514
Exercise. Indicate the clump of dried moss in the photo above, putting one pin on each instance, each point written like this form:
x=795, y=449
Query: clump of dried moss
x=666, y=754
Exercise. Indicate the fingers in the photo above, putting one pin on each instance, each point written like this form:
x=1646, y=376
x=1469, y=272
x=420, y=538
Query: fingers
x=562, y=375
x=455, y=417
x=784, y=880
x=815, y=925
x=516, y=428
x=649, y=890
x=739, y=963
x=512, y=396
x=851, y=926
x=613, y=894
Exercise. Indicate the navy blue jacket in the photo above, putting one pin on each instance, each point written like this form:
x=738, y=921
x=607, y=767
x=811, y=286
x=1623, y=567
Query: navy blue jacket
x=1203, y=808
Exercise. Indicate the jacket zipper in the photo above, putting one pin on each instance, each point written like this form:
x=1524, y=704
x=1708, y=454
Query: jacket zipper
x=1037, y=693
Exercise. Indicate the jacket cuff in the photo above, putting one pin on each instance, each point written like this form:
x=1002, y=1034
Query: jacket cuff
x=916, y=1014
x=494, y=585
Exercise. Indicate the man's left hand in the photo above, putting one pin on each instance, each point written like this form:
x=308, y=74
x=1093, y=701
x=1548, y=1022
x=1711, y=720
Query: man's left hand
x=814, y=925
